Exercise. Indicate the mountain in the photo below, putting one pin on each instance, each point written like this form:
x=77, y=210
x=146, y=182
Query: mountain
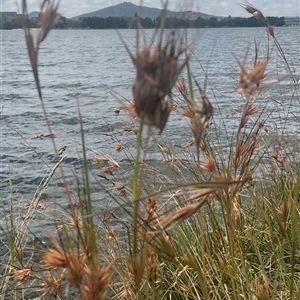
x=34, y=14
x=128, y=9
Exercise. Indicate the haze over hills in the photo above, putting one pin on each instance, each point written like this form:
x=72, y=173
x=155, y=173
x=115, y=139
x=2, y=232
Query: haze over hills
x=128, y=9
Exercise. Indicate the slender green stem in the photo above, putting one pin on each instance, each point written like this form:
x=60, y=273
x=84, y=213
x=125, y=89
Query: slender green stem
x=162, y=25
x=136, y=190
x=92, y=240
x=190, y=82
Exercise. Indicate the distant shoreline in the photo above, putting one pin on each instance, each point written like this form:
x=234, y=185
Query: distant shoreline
x=67, y=29
x=14, y=21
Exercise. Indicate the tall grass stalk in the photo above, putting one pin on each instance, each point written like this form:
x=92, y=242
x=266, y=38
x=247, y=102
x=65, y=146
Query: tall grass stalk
x=49, y=17
x=10, y=236
x=91, y=243
x=136, y=193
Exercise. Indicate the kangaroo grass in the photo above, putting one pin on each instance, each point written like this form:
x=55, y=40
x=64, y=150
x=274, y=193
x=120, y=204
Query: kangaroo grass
x=202, y=222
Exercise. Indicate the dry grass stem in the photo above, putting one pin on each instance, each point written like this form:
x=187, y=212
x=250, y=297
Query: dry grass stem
x=42, y=135
x=186, y=212
x=270, y=30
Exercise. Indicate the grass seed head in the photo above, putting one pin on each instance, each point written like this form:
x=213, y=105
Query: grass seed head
x=152, y=268
x=251, y=110
x=250, y=80
x=52, y=285
x=277, y=157
x=188, y=144
x=100, y=159
x=181, y=214
x=75, y=270
x=210, y=165
x=257, y=73
x=249, y=8
x=108, y=170
x=119, y=186
x=200, y=122
x=54, y=259
x=119, y=147
x=236, y=207
x=117, y=111
x=157, y=71
x=111, y=236
x=162, y=244
x=254, y=11
x=19, y=254
x=76, y=222
x=127, y=128
x=181, y=87
x=22, y=276
x=151, y=209
x=263, y=288
x=186, y=113
x=98, y=281
x=48, y=18
x=129, y=107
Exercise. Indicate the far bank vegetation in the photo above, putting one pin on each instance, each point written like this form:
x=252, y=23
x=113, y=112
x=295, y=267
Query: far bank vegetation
x=13, y=21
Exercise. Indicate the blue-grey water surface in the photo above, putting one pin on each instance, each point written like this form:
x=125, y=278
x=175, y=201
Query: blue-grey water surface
x=92, y=67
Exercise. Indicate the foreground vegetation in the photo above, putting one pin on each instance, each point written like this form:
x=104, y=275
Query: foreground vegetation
x=208, y=223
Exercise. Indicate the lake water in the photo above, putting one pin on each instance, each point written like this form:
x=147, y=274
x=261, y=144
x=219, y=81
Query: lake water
x=92, y=66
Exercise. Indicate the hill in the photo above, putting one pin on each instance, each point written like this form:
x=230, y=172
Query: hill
x=128, y=9
x=33, y=14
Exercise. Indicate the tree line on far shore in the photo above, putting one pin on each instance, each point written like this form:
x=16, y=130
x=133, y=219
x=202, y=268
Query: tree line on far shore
x=132, y=22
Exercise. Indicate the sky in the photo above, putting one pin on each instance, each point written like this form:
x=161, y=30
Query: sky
x=72, y=8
